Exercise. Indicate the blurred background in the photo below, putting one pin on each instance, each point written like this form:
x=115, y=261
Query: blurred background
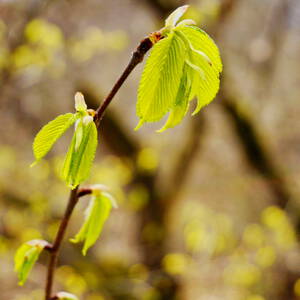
x=208, y=210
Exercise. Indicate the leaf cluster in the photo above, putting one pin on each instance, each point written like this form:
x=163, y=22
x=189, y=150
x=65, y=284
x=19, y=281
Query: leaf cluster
x=83, y=146
x=183, y=65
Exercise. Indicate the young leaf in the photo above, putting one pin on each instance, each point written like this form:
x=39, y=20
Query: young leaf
x=26, y=256
x=95, y=217
x=160, y=79
x=184, y=52
x=81, y=153
x=204, y=88
x=65, y=296
x=182, y=102
x=176, y=15
x=50, y=133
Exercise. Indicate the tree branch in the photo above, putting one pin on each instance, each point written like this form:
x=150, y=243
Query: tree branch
x=137, y=57
x=54, y=251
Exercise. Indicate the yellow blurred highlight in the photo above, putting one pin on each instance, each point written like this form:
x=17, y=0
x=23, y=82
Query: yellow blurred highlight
x=4, y=246
x=254, y=236
x=92, y=279
x=113, y=170
x=138, y=197
x=34, y=295
x=194, y=14
x=45, y=33
x=14, y=220
x=255, y=297
x=94, y=41
x=52, y=228
x=41, y=171
x=242, y=274
x=273, y=217
x=265, y=257
x=76, y=284
x=151, y=294
x=209, y=232
x=138, y=271
x=95, y=297
x=25, y=56
x=195, y=236
x=4, y=56
x=30, y=234
x=147, y=159
x=73, y=282
x=283, y=231
x=175, y=263
x=297, y=288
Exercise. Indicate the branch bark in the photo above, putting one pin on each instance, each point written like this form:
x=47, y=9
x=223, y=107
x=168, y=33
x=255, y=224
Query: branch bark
x=137, y=57
x=54, y=250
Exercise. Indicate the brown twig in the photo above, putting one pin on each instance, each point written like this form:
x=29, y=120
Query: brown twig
x=83, y=192
x=54, y=251
x=137, y=57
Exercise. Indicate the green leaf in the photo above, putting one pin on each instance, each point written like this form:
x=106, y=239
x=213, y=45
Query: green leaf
x=161, y=79
x=26, y=256
x=95, y=217
x=182, y=102
x=176, y=15
x=204, y=88
x=65, y=296
x=50, y=133
x=81, y=152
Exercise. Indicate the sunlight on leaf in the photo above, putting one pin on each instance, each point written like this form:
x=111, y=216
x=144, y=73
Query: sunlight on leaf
x=184, y=64
x=50, y=133
x=95, y=216
x=81, y=153
x=65, y=296
x=26, y=256
x=161, y=79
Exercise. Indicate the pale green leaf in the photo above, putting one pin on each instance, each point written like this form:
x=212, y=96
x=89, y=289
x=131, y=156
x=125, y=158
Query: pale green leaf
x=174, y=17
x=182, y=102
x=196, y=68
x=190, y=47
x=186, y=22
x=201, y=41
x=26, y=256
x=95, y=216
x=81, y=154
x=204, y=88
x=161, y=79
x=65, y=296
x=50, y=133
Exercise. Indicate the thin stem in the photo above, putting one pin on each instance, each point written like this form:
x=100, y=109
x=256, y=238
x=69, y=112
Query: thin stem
x=137, y=57
x=73, y=198
x=84, y=191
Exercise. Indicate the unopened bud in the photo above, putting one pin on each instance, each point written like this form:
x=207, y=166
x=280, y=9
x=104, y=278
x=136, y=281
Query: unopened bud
x=80, y=104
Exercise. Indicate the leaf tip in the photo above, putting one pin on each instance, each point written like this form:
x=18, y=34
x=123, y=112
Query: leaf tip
x=176, y=15
x=33, y=164
x=84, y=251
x=161, y=129
x=139, y=125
